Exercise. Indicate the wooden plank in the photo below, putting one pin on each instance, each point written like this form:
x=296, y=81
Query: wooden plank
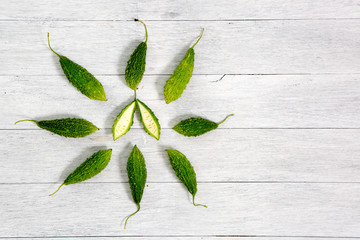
x=187, y=237
x=225, y=155
x=270, y=47
x=177, y=10
x=316, y=101
x=234, y=209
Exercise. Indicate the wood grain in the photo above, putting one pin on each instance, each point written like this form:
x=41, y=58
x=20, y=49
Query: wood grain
x=60, y=10
x=274, y=47
x=225, y=155
x=234, y=209
x=314, y=101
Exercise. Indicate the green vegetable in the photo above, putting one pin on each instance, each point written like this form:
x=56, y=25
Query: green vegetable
x=66, y=127
x=149, y=120
x=184, y=171
x=136, y=169
x=136, y=65
x=88, y=169
x=193, y=127
x=177, y=82
x=80, y=78
x=124, y=121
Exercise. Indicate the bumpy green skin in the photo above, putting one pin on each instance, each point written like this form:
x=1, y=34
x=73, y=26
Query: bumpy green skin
x=156, y=120
x=68, y=127
x=118, y=118
x=91, y=167
x=183, y=170
x=194, y=127
x=136, y=66
x=136, y=169
x=177, y=82
x=84, y=81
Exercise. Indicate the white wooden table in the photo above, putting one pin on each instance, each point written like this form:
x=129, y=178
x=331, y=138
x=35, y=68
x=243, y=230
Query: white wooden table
x=286, y=166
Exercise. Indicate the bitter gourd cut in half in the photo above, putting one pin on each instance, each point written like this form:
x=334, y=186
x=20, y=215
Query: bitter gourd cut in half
x=149, y=120
x=136, y=65
x=136, y=169
x=194, y=127
x=177, y=82
x=88, y=169
x=124, y=121
x=80, y=78
x=184, y=171
x=66, y=127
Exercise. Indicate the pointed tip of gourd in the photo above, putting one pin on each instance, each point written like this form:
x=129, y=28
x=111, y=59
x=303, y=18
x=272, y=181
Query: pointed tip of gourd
x=197, y=204
x=56, y=190
x=25, y=120
x=202, y=31
x=138, y=205
x=230, y=115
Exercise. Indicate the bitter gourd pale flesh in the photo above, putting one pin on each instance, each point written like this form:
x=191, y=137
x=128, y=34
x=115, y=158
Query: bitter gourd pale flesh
x=136, y=65
x=177, y=82
x=136, y=169
x=149, y=120
x=80, y=78
x=88, y=169
x=194, y=127
x=184, y=171
x=124, y=121
x=66, y=127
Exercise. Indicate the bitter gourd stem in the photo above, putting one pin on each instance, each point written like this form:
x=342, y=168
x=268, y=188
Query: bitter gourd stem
x=26, y=120
x=137, y=20
x=135, y=94
x=57, y=190
x=199, y=38
x=197, y=204
x=138, y=205
x=225, y=118
x=48, y=37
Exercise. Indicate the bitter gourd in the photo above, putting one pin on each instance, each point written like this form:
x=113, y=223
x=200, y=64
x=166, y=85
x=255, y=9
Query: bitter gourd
x=66, y=127
x=184, y=171
x=136, y=169
x=124, y=121
x=136, y=65
x=149, y=120
x=194, y=127
x=177, y=82
x=80, y=78
x=88, y=169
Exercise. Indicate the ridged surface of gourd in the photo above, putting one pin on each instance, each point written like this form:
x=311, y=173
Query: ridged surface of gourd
x=67, y=127
x=124, y=121
x=84, y=81
x=136, y=66
x=149, y=120
x=193, y=127
x=183, y=170
x=91, y=167
x=177, y=82
x=136, y=169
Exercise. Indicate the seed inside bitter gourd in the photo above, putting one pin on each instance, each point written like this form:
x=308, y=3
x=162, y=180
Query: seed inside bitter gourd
x=88, y=169
x=66, y=127
x=80, y=78
x=194, y=127
x=124, y=121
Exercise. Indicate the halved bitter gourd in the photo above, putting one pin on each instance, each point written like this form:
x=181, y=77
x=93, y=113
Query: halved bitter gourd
x=149, y=120
x=124, y=121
